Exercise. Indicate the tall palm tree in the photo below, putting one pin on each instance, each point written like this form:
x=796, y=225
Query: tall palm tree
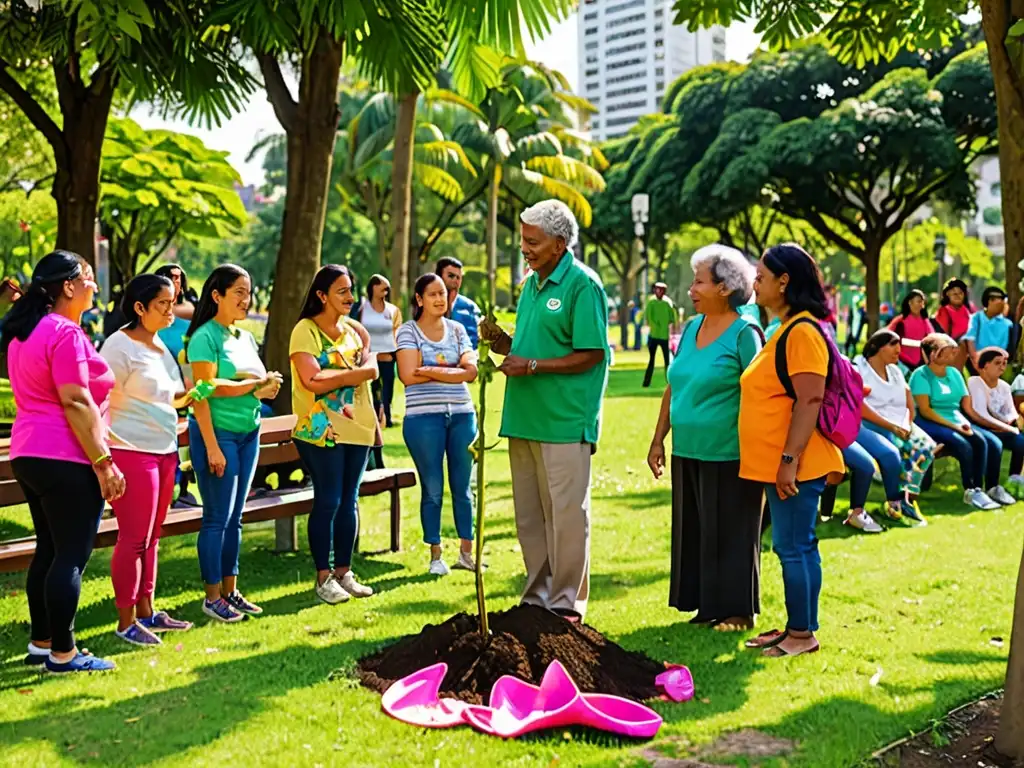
x=479, y=33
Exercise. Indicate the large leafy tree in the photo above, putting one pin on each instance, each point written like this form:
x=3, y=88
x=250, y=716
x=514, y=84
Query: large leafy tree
x=398, y=44
x=854, y=152
x=89, y=52
x=160, y=187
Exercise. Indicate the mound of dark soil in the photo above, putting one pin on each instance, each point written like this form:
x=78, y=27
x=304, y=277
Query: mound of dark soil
x=523, y=642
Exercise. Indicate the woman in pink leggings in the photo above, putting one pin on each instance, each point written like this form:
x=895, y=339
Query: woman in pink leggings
x=144, y=443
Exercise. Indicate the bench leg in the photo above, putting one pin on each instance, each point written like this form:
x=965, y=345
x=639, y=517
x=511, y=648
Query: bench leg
x=396, y=520
x=286, y=533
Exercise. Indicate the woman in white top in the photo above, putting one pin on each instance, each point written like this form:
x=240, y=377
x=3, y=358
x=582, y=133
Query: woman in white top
x=144, y=443
x=888, y=412
x=381, y=320
x=993, y=402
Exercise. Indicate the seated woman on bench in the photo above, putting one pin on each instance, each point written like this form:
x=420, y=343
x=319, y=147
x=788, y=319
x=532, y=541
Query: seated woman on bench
x=945, y=412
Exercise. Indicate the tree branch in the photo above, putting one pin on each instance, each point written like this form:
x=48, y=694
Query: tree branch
x=34, y=112
x=278, y=94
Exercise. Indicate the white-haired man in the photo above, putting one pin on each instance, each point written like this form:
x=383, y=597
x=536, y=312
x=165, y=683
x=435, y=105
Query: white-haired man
x=557, y=370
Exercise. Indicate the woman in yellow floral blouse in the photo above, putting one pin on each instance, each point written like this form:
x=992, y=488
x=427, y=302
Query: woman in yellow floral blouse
x=332, y=369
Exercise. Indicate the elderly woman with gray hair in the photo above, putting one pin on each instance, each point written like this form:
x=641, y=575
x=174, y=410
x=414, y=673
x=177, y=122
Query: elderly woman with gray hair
x=716, y=515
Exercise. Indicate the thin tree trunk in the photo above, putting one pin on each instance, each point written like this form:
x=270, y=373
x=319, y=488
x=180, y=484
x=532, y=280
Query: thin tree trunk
x=515, y=255
x=627, y=287
x=311, y=124
x=1010, y=738
x=872, y=256
x=401, y=194
x=492, y=232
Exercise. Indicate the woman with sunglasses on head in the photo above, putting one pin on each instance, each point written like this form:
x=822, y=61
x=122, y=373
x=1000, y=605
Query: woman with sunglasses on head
x=888, y=426
x=381, y=319
x=224, y=431
x=144, y=406
x=59, y=451
x=332, y=366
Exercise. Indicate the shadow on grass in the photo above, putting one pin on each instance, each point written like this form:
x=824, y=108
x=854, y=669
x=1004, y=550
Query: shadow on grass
x=11, y=529
x=649, y=499
x=223, y=696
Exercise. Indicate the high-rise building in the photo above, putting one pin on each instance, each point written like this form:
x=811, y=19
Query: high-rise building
x=630, y=51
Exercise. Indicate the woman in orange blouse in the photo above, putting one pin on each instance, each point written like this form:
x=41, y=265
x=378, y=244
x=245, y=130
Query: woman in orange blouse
x=779, y=443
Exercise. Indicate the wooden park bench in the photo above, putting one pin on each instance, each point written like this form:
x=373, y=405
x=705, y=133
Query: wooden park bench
x=276, y=448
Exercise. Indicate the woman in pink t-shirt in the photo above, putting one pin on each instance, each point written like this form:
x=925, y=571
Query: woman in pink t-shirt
x=912, y=325
x=59, y=453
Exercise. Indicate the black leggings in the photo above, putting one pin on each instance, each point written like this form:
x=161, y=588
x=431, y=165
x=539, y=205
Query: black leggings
x=66, y=505
x=652, y=350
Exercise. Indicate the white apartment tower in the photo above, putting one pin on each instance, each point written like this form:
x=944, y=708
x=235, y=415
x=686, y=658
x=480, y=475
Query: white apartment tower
x=629, y=53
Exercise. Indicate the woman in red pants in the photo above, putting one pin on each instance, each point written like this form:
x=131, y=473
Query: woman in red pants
x=144, y=442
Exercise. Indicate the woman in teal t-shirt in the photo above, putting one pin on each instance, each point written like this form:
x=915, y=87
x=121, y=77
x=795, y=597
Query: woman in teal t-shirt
x=943, y=410
x=716, y=515
x=224, y=431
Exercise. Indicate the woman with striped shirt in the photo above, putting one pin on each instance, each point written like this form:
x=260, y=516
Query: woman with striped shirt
x=436, y=362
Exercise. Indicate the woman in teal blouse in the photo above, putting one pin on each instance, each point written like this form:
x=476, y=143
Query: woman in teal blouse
x=716, y=515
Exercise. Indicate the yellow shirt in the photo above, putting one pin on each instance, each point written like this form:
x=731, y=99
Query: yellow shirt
x=344, y=415
x=766, y=411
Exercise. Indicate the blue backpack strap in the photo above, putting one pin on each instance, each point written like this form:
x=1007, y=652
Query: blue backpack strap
x=782, y=365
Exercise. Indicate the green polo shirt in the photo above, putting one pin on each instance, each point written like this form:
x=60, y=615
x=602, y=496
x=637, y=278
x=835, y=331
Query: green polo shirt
x=660, y=315
x=566, y=313
x=236, y=354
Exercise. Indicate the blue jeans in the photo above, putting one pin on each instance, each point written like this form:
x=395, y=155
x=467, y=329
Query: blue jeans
x=334, y=519
x=1015, y=444
x=979, y=454
x=872, y=446
x=220, y=538
x=430, y=437
x=796, y=545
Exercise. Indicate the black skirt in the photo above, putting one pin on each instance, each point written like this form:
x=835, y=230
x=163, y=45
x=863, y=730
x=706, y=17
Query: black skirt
x=716, y=539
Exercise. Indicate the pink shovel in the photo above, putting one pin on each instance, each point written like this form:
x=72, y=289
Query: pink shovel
x=414, y=700
x=516, y=707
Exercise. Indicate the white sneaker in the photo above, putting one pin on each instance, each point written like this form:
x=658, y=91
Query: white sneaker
x=438, y=568
x=863, y=521
x=331, y=591
x=353, y=587
x=1015, y=480
x=1000, y=496
x=978, y=499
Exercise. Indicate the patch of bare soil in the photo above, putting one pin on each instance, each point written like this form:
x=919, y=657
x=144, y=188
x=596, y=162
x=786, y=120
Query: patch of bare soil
x=964, y=739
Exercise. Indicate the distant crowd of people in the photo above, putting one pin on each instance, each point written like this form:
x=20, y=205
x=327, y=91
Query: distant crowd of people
x=102, y=426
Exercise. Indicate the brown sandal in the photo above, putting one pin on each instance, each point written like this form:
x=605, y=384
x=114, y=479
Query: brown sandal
x=778, y=652
x=765, y=639
x=742, y=625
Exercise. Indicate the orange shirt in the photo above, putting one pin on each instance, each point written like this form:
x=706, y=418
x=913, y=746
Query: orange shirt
x=766, y=411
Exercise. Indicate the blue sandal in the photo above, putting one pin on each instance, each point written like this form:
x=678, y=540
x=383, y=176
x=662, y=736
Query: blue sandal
x=82, y=662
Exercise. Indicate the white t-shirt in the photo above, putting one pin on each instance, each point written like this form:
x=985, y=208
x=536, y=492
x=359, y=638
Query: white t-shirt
x=996, y=404
x=887, y=398
x=142, y=415
x=380, y=326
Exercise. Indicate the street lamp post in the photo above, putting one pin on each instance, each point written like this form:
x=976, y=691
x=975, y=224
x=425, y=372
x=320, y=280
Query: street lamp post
x=641, y=209
x=940, y=256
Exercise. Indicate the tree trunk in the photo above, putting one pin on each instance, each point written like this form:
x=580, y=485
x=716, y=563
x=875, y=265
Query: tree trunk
x=311, y=129
x=515, y=256
x=401, y=194
x=492, y=232
x=872, y=257
x=76, y=184
x=627, y=287
x=1010, y=738
x=996, y=20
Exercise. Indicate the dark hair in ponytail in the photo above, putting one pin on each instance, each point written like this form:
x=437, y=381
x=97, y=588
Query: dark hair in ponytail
x=142, y=290
x=220, y=280
x=48, y=278
x=419, y=289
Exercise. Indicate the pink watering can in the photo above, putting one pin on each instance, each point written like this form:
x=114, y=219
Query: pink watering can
x=517, y=707
x=414, y=700
x=675, y=683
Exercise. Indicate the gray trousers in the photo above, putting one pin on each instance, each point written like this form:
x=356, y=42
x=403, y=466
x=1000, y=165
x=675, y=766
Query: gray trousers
x=551, y=495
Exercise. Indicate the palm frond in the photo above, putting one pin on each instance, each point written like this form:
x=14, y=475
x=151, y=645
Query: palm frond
x=438, y=181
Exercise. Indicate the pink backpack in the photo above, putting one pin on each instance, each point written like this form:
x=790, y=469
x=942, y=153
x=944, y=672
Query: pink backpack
x=840, y=416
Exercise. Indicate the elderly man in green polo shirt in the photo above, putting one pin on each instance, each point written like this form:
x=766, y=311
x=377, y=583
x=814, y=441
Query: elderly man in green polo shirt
x=557, y=369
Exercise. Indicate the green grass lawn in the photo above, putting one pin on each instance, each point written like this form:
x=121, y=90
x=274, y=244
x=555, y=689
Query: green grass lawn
x=912, y=611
